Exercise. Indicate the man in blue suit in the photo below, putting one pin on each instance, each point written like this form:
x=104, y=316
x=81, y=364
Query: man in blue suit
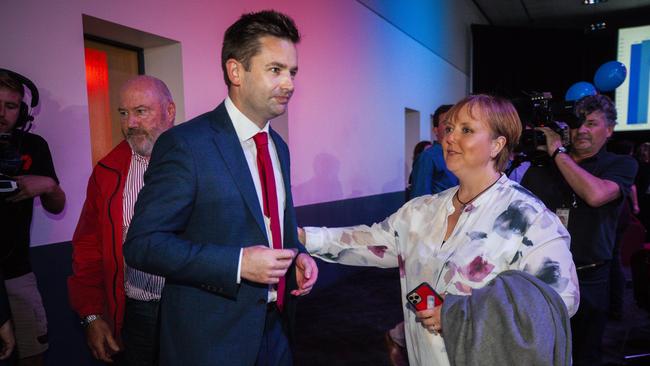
x=216, y=217
x=430, y=174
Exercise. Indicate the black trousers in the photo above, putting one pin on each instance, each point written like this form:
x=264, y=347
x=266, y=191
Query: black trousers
x=141, y=333
x=588, y=324
x=616, y=283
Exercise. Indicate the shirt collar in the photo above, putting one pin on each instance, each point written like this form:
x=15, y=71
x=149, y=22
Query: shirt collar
x=597, y=156
x=244, y=127
x=139, y=158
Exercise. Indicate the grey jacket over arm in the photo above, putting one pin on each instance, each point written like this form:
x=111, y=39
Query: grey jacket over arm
x=516, y=319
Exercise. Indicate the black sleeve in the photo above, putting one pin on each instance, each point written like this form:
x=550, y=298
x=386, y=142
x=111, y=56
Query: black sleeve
x=622, y=171
x=37, y=159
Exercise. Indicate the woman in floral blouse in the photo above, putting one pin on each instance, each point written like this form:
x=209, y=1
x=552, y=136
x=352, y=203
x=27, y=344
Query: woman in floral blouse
x=460, y=239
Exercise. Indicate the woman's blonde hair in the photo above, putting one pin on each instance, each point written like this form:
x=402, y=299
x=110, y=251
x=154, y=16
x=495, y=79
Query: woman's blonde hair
x=500, y=115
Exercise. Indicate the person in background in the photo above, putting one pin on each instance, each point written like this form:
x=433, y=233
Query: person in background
x=642, y=183
x=35, y=177
x=629, y=208
x=516, y=173
x=586, y=186
x=417, y=150
x=117, y=302
x=430, y=174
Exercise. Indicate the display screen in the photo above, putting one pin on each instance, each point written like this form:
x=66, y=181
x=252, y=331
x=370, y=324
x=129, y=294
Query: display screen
x=633, y=96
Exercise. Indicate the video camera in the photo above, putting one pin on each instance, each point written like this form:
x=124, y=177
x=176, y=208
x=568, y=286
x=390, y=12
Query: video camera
x=538, y=109
x=10, y=163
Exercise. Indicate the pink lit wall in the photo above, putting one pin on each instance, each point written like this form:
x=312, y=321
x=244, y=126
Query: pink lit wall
x=346, y=122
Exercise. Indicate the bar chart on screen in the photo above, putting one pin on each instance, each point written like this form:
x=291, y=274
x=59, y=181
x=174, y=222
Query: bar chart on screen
x=633, y=96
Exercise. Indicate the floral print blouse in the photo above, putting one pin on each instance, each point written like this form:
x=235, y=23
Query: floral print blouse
x=504, y=228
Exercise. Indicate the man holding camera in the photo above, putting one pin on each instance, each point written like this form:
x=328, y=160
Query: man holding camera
x=586, y=186
x=27, y=161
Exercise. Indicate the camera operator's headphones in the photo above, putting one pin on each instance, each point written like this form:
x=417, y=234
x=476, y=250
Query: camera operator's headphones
x=24, y=116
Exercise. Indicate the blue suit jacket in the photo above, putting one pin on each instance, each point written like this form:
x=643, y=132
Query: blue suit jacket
x=430, y=174
x=197, y=209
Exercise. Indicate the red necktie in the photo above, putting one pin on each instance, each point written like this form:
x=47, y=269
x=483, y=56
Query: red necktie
x=270, y=199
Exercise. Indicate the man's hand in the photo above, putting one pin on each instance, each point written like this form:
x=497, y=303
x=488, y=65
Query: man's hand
x=32, y=186
x=52, y=196
x=306, y=274
x=8, y=340
x=100, y=340
x=553, y=140
x=262, y=264
x=430, y=319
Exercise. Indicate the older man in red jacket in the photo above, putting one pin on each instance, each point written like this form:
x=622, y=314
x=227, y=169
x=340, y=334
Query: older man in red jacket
x=115, y=302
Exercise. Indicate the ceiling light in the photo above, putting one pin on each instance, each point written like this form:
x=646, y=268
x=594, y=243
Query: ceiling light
x=593, y=2
x=595, y=27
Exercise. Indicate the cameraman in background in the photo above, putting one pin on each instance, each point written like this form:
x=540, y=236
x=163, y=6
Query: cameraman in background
x=586, y=187
x=27, y=172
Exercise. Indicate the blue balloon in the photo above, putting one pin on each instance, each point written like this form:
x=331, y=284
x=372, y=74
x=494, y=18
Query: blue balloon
x=610, y=76
x=579, y=90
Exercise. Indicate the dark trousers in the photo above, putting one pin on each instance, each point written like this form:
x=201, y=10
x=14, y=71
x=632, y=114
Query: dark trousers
x=616, y=283
x=588, y=324
x=141, y=332
x=274, y=350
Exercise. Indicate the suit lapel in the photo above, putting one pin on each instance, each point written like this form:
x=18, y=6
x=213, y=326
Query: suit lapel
x=231, y=151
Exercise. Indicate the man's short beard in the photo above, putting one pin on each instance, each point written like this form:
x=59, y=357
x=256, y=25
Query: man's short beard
x=143, y=147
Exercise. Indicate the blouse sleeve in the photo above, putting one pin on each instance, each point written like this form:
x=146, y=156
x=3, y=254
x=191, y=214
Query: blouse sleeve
x=545, y=254
x=361, y=245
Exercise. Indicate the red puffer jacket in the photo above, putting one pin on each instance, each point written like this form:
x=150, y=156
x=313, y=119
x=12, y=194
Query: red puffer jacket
x=97, y=283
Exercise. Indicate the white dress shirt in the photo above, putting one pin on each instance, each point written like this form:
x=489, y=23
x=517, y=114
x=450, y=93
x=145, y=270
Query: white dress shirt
x=138, y=285
x=246, y=129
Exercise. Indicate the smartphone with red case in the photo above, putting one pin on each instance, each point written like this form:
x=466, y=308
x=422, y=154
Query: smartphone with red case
x=418, y=297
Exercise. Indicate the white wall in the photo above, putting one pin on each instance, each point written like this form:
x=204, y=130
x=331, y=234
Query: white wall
x=357, y=74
